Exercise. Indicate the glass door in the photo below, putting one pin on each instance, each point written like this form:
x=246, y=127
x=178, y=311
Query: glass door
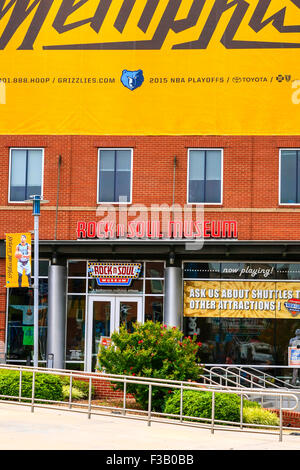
x=105, y=315
x=101, y=322
x=128, y=311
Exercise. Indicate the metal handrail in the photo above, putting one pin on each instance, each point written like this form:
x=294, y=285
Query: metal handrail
x=149, y=415
x=251, y=381
x=284, y=384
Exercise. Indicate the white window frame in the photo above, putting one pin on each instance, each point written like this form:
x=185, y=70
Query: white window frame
x=279, y=178
x=222, y=176
x=9, y=173
x=98, y=175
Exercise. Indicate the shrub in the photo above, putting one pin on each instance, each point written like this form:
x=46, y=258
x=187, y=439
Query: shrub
x=47, y=387
x=260, y=416
x=76, y=393
x=199, y=404
x=152, y=350
x=227, y=407
x=80, y=388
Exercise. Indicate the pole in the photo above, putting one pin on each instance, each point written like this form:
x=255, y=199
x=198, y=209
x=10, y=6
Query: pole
x=36, y=214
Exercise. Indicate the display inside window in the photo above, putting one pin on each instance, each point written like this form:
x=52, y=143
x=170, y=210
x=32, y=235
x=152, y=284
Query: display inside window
x=20, y=324
x=75, y=328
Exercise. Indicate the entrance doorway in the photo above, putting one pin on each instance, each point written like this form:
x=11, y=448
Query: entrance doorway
x=105, y=315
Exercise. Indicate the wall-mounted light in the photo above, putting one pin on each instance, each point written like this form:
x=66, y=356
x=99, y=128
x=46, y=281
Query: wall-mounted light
x=171, y=257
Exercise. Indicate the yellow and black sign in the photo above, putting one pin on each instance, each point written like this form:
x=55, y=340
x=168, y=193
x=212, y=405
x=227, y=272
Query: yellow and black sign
x=18, y=259
x=241, y=299
x=149, y=67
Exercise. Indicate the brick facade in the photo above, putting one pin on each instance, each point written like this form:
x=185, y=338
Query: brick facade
x=250, y=181
x=250, y=184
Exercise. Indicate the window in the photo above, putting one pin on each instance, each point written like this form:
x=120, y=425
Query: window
x=290, y=176
x=25, y=174
x=205, y=176
x=114, y=184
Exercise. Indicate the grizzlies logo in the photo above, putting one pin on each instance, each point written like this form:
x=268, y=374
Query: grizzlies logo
x=293, y=306
x=132, y=80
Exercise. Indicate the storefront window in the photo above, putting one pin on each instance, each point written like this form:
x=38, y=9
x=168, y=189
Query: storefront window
x=201, y=270
x=76, y=286
x=247, y=315
x=140, y=301
x=155, y=269
x=154, y=286
x=20, y=324
x=75, y=328
x=234, y=340
x=77, y=269
x=154, y=309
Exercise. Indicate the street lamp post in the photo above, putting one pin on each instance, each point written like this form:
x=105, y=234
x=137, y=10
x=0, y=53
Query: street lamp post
x=36, y=213
x=36, y=200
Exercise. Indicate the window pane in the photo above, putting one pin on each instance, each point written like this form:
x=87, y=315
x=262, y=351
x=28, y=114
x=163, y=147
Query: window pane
x=76, y=286
x=213, y=191
x=107, y=160
x=106, y=186
x=155, y=269
x=18, y=175
x=213, y=165
x=213, y=176
x=288, y=177
x=202, y=270
x=154, y=309
x=122, y=186
x=155, y=286
x=77, y=268
x=20, y=322
x=233, y=340
x=75, y=328
x=196, y=165
x=196, y=175
x=35, y=169
x=123, y=160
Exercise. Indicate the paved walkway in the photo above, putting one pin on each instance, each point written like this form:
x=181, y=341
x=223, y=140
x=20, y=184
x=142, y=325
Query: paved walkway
x=60, y=430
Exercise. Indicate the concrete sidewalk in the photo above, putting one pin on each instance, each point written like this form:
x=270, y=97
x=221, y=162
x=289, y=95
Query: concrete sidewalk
x=62, y=430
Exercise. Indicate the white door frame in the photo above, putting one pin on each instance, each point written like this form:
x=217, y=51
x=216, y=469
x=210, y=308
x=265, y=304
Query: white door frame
x=115, y=301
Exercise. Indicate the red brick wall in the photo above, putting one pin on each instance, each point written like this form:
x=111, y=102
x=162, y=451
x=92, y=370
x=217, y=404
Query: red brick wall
x=250, y=185
x=289, y=418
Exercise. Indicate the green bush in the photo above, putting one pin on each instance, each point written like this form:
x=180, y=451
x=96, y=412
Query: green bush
x=80, y=389
x=47, y=387
x=260, y=416
x=227, y=407
x=76, y=393
x=199, y=404
x=151, y=350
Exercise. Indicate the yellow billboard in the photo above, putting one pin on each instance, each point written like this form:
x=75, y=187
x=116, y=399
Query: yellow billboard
x=149, y=67
x=18, y=259
x=242, y=299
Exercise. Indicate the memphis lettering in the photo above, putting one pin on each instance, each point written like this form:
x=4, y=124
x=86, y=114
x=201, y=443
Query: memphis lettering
x=97, y=16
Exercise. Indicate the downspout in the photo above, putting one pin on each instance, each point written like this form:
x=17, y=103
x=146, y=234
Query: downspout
x=57, y=195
